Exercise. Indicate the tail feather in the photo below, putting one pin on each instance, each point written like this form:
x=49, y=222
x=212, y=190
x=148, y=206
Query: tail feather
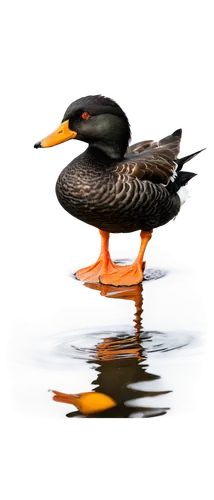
x=181, y=178
x=181, y=161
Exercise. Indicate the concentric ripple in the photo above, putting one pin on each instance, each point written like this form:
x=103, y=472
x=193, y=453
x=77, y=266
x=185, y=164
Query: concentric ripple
x=68, y=351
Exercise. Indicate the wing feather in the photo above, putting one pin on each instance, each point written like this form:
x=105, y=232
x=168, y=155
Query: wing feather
x=154, y=161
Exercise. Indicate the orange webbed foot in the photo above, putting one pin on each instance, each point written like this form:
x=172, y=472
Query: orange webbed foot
x=124, y=276
x=92, y=273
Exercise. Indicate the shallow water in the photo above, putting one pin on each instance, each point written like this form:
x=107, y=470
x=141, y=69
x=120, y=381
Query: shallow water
x=101, y=369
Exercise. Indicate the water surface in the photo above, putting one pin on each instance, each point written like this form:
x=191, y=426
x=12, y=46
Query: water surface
x=111, y=352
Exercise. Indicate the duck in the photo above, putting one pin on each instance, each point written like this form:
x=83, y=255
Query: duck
x=117, y=187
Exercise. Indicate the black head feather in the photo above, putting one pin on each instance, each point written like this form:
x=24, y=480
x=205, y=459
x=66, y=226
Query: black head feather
x=107, y=129
x=94, y=104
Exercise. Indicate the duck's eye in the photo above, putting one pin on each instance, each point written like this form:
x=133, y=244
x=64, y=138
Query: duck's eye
x=85, y=115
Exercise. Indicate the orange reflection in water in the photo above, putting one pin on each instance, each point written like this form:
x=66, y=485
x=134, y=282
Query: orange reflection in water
x=128, y=346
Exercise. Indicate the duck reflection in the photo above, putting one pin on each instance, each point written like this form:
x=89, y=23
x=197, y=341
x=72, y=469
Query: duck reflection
x=142, y=349
x=119, y=358
x=162, y=358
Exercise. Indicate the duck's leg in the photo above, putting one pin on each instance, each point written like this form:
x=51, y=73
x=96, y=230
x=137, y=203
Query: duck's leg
x=129, y=275
x=103, y=265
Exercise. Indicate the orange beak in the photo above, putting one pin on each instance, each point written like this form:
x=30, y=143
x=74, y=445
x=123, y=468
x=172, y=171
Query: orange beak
x=61, y=134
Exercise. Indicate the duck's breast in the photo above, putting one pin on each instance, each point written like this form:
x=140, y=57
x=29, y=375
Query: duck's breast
x=98, y=197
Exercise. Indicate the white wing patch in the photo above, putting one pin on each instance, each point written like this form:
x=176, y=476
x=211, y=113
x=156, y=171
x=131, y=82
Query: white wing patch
x=174, y=174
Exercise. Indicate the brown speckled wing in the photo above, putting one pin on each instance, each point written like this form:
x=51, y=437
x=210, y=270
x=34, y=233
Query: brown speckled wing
x=153, y=161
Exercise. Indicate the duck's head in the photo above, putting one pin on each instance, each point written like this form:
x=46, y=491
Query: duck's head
x=97, y=120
